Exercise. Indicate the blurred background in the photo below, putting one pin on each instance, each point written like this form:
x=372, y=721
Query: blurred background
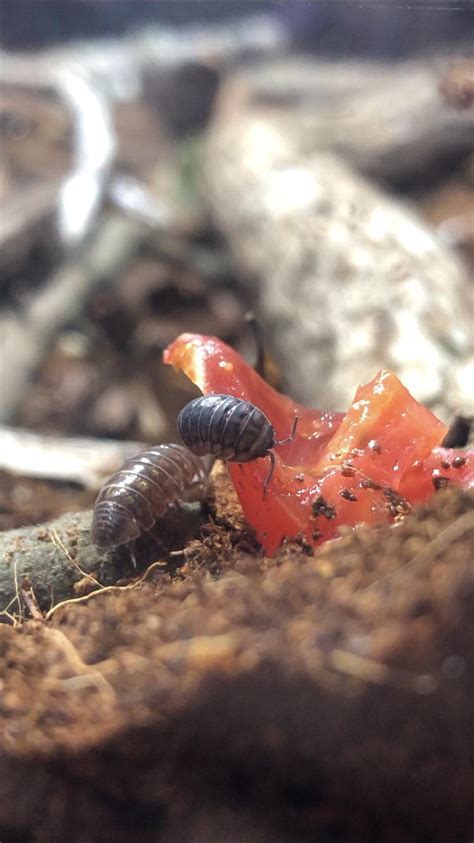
x=168, y=167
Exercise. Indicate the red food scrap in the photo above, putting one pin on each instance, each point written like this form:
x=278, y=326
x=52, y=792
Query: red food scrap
x=366, y=466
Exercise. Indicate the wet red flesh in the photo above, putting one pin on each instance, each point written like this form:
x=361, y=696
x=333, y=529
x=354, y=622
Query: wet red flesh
x=367, y=465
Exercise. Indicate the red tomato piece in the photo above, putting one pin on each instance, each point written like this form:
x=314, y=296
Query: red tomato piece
x=362, y=467
x=443, y=467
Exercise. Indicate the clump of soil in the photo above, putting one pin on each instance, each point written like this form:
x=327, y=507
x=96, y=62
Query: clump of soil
x=303, y=697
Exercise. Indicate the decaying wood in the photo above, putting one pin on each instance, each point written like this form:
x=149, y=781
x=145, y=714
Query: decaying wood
x=346, y=278
x=52, y=558
x=58, y=561
x=80, y=460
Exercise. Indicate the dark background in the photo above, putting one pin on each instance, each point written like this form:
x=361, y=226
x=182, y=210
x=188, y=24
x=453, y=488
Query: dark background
x=389, y=28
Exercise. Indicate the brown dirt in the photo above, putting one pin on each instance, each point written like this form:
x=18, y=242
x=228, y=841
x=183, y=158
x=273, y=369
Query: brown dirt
x=324, y=697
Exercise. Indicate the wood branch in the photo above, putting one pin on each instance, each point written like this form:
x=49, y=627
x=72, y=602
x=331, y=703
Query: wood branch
x=80, y=460
x=56, y=561
x=25, y=338
x=347, y=279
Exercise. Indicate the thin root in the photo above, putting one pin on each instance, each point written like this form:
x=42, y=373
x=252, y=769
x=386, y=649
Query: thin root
x=103, y=590
x=58, y=542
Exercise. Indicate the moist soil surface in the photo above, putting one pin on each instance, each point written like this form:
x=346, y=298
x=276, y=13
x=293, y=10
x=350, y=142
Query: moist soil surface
x=321, y=695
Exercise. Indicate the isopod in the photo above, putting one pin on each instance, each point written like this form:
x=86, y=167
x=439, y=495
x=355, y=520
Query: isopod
x=230, y=428
x=141, y=490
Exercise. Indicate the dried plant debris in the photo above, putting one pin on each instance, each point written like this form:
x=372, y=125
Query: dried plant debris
x=315, y=697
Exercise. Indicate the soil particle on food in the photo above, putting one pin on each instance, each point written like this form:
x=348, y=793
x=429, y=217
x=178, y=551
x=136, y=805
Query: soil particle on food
x=322, y=507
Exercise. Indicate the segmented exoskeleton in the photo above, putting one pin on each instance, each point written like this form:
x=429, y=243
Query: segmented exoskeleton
x=230, y=428
x=140, y=492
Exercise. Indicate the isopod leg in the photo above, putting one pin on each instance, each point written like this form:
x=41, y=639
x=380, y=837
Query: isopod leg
x=270, y=473
x=292, y=434
x=132, y=547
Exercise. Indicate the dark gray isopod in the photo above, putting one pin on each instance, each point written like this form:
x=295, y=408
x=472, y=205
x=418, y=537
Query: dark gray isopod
x=142, y=489
x=230, y=428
